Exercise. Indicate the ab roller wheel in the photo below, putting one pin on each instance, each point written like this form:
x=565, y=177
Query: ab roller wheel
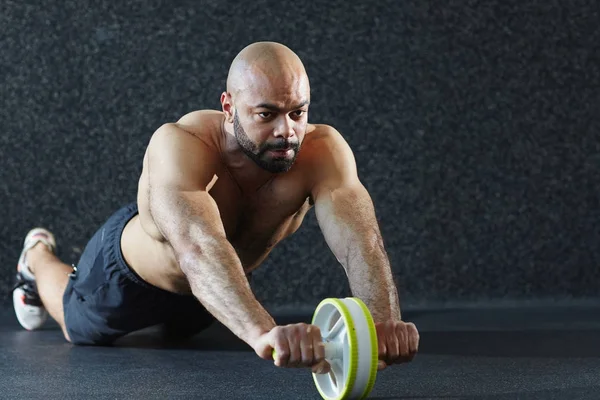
x=350, y=340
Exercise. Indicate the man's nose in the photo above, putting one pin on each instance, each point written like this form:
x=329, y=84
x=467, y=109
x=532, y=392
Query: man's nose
x=285, y=128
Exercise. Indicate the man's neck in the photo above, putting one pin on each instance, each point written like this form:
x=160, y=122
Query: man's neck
x=247, y=175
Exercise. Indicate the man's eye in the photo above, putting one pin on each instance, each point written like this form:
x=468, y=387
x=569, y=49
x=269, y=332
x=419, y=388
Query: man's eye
x=265, y=114
x=299, y=113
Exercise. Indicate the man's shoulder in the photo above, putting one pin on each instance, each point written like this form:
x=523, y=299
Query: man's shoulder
x=325, y=152
x=321, y=132
x=194, y=133
x=328, y=158
x=321, y=139
x=202, y=125
x=201, y=120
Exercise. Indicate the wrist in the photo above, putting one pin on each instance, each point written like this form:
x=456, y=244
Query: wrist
x=386, y=315
x=260, y=326
x=254, y=335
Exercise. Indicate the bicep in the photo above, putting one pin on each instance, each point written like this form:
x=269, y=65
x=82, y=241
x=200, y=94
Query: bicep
x=343, y=206
x=336, y=187
x=345, y=213
x=180, y=169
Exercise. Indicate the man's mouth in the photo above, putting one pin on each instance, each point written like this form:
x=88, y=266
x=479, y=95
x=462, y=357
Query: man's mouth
x=281, y=152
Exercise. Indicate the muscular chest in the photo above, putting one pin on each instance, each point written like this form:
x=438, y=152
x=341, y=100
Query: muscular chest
x=255, y=222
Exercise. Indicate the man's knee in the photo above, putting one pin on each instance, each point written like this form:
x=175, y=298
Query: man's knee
x=68, y=338
x=66, y=335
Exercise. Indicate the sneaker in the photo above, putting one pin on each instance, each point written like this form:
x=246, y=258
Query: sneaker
x=29, y=309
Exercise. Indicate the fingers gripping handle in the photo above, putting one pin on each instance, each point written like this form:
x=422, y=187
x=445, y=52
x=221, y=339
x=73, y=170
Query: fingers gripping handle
x=332, y=351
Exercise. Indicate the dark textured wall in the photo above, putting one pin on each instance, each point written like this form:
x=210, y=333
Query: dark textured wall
x=474, y=125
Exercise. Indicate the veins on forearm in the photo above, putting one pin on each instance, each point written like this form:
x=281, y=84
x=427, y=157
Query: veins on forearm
x=371, y=279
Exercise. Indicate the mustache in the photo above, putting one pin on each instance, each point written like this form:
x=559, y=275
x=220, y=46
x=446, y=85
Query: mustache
x=281, y=145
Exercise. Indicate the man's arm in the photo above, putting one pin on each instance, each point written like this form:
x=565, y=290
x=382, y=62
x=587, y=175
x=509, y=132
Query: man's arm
x=180, y=167
x=346, y=216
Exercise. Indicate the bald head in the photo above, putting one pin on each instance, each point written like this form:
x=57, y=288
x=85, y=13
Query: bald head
x=265, y=64
x=266, y=104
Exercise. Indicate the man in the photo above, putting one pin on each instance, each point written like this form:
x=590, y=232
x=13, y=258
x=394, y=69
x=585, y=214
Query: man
x=218, y=190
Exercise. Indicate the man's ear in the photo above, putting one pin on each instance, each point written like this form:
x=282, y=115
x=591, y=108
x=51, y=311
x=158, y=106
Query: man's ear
x=227, y=106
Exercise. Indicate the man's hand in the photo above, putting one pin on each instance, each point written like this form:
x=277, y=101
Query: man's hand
x=296, y=346
x=398, y=342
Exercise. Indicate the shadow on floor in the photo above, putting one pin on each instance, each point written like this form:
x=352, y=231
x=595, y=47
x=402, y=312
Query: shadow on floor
x=561, y=343
x=530, y=343
x=216, y=337
x=471, y=336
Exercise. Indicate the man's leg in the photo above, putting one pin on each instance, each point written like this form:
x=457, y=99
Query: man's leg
x=40, y=282
x=95, y=303
x=51, y=277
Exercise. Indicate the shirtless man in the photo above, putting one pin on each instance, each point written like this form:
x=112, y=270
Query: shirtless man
x=218, y=190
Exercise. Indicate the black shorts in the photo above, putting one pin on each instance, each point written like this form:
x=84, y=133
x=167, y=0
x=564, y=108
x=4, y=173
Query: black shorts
x=105, y=299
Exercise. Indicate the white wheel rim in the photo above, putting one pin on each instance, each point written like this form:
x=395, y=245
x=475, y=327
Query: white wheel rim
x=350, y=341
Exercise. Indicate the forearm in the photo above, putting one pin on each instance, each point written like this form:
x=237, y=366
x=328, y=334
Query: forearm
x=218, y=281
x=370, y=277
x=347, y=217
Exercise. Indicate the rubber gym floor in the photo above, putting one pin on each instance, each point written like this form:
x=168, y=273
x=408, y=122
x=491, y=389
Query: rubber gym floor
x=498, y=353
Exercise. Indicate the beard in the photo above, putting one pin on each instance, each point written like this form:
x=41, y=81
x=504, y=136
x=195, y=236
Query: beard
x=260, y=153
